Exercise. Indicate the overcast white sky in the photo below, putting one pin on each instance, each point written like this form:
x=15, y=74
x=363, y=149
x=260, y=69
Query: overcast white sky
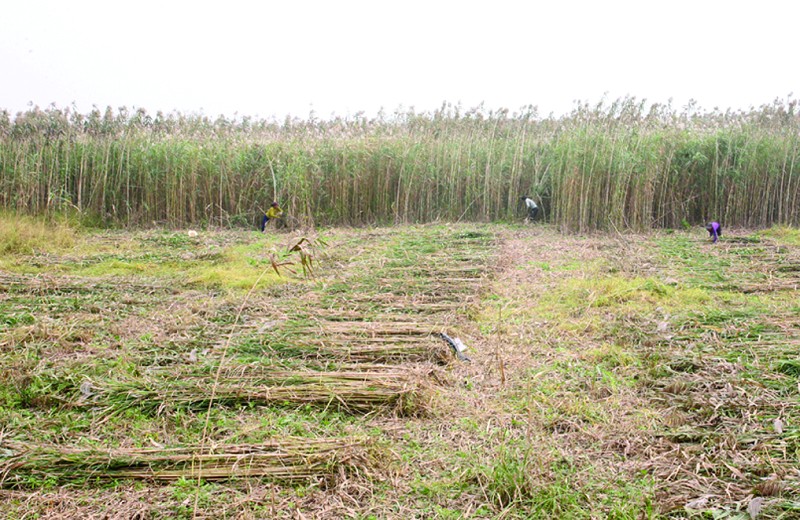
x=339, y=57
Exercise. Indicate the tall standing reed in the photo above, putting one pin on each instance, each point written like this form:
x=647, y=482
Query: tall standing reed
x=619, y=165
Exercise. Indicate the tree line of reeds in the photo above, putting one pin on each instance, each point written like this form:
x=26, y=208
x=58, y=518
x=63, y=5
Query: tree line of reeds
x=618, y=165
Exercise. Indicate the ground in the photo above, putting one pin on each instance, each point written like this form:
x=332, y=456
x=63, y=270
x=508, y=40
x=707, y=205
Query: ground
x=158, y=374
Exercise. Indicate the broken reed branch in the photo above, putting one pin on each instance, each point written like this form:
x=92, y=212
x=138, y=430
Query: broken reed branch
x=289, y=459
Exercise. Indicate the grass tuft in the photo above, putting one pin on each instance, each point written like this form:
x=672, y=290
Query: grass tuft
x=24, y=235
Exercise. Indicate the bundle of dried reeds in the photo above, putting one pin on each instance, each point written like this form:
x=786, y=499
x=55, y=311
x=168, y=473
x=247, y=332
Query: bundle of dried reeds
x=357, y=342
x=289, y=459
x=394, y=391
x=370, y=352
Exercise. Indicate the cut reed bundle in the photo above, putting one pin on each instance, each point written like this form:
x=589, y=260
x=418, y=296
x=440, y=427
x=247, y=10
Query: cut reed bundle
x=467, y=272
x=368, y=328
x=325, y=333
x=361, y=351
x=396, y=391
x=367, y=307
x=287, y=459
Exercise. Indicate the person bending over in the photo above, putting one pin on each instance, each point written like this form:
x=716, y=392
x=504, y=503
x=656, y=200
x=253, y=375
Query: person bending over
x=273, y=212
x=533, y=209
x=714, y=231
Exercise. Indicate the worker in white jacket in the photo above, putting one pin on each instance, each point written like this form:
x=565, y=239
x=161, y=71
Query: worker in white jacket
x=532, y=207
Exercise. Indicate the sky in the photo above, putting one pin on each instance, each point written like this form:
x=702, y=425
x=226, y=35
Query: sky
x=269, y=59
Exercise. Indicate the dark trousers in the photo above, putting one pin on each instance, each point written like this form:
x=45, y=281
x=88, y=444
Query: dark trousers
x=532, y=213
x=264, y=221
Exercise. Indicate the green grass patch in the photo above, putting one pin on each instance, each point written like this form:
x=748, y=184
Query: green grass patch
x=783, y=234
x=234, y=273
x=24, y=235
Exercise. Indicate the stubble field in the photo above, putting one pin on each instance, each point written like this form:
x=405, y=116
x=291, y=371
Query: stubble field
x=158, y=374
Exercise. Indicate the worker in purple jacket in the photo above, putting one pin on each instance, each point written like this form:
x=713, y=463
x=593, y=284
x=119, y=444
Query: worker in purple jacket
x=714, y=230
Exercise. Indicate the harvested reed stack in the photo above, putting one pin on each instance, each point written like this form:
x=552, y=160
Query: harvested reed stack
x=394, y=391
x=363, y=351
x=364, y=339
x=289, y=459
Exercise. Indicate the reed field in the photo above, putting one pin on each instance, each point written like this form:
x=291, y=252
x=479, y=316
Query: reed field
x=611, y=375
x=160, y=358
x=611, y=166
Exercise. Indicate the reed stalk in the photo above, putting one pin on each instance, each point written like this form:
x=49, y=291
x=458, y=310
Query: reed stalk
x=618, y=165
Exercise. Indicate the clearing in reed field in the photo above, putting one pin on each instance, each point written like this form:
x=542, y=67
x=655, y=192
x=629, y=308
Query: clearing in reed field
x=626, y=376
